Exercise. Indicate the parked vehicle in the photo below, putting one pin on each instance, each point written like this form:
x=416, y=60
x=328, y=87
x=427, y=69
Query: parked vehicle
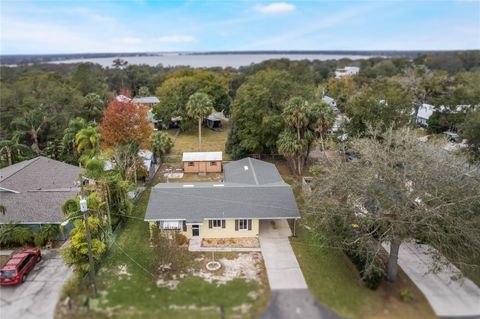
x=16, y=269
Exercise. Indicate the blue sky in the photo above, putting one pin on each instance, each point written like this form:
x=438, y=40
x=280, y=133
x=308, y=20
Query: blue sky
x=143, y=25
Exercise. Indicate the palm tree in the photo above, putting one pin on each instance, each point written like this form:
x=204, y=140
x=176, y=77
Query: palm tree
x=199, y=106
x=324, y=120
x=88, y=142
x=296, y=114
x=161, y=144
x=31, y=123
x=69, y=134
x=93, y=105
x=12, y=147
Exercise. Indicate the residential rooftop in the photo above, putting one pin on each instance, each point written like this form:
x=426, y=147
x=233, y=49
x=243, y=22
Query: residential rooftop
x=251, y=189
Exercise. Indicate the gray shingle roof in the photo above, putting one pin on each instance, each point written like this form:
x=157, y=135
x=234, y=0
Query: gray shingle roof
x=39, y=173
x=34, y=191
x=252, y=171
x=43, y=207
x=262, y=194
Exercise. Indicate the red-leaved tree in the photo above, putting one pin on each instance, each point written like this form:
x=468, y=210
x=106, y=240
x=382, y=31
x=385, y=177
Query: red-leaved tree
x=125, y=122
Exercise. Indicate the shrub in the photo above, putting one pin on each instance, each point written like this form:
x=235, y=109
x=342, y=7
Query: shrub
x=371, y=271
x=47, y=233
x=181, y=239
x=15, y=235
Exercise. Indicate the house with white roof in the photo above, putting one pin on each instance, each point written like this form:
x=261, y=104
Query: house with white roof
x=424, y=113
x=202, y=162
x=346, y=71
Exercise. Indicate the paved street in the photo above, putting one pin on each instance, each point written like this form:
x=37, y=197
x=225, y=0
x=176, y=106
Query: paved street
x=37, y=297
x=290, y=297
x=448, y=297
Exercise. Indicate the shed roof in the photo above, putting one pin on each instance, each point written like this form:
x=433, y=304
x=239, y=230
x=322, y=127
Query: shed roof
x=201, y=156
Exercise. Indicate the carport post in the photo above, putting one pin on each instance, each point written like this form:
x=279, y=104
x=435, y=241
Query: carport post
x=294, y=230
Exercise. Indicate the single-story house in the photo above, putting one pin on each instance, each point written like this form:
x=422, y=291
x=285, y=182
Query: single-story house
x=330, y=102
x=252, y=190
x=202, y=162
x=33, y=192
x=147, y=100
x=146, y=156
x=347, y=71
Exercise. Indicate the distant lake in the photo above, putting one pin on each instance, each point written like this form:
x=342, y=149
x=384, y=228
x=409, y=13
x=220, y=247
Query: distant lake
x=211, y=60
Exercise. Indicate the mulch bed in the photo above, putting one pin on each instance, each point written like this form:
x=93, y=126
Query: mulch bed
x=245, y=242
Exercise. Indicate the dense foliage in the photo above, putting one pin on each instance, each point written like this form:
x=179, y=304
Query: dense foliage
x=38, y=102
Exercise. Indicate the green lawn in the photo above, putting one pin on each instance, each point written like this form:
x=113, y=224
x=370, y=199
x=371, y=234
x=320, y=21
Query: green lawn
x=136, y=295
x=335, y=282
x=211, y=140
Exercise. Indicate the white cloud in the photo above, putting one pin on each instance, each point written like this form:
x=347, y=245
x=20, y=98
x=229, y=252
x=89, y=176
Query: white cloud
x=176, y=38
x=275, y=8
x=130, y=40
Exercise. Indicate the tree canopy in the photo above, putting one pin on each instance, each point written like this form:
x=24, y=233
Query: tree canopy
x=125, y=122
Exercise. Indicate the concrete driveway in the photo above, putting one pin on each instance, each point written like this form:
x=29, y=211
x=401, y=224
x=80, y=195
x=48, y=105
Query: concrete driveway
x=38, y=295
x=449, y=296
x=290, y=297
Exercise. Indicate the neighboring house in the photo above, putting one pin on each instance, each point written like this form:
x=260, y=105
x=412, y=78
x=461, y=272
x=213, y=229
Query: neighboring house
x=252, y=190
x=145, y=155
x=346, y=71
x=202, y=162
x=33, y=192
x=339, y=118
x=424, y=113
x=330, y=102
x=149, y=101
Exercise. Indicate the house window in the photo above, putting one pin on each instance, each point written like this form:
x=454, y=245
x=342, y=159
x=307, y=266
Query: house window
x=216, y=223
x=191, y=164
x=213, y=163
x=243, y=224
x=174, y=224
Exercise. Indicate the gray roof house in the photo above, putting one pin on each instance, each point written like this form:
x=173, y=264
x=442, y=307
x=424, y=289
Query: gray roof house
x=33, y=191
x=252, y=190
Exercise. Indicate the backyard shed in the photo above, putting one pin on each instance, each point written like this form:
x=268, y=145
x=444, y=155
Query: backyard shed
x=202, y=162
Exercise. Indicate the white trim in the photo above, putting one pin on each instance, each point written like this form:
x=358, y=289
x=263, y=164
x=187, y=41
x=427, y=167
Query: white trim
x=8, y=190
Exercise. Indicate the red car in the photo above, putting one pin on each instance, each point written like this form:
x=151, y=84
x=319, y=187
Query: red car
x=16, y=269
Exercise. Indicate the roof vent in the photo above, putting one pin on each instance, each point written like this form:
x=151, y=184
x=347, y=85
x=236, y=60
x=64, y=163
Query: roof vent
x=245, y=168
x=189, y=185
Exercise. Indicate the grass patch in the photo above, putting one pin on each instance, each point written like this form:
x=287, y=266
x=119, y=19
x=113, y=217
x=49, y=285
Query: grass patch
x=133, y=292
x=212, y=141
x=335, y=282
